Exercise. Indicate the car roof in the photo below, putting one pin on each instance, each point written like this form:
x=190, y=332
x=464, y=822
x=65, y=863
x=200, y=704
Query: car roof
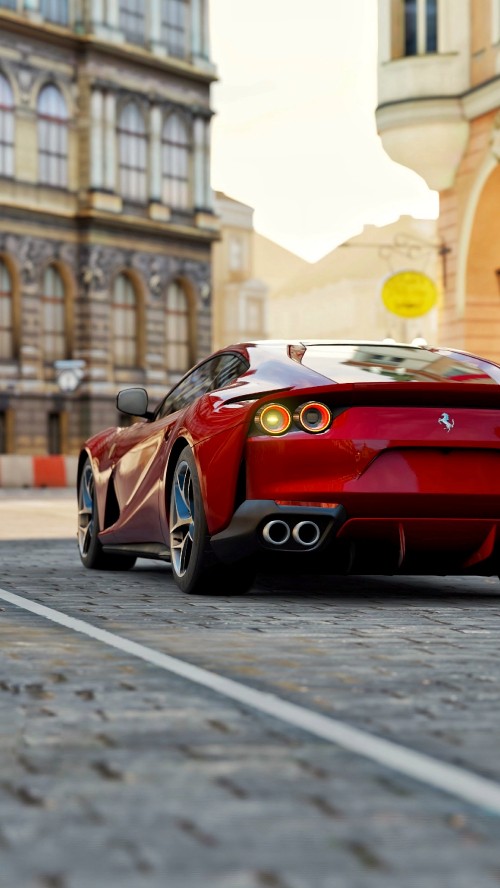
x=369, y=360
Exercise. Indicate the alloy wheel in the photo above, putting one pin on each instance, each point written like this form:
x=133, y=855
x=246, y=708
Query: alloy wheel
x=86, y=511
x=182, y=519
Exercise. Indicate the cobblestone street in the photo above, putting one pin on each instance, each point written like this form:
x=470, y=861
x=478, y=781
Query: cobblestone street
x=116, y=772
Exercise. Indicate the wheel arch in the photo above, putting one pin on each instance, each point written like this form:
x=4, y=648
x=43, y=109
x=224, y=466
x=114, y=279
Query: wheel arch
x=82, y=459
x=86, y=454
x=177, y=449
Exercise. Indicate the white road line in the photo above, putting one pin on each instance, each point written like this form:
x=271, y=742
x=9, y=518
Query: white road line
x=455, y=781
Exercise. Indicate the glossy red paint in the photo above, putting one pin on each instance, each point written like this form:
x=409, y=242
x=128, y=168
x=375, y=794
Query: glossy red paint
x=412, y=457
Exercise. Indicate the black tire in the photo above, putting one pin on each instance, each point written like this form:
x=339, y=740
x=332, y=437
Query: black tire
x=194, y=567
x=89, y=546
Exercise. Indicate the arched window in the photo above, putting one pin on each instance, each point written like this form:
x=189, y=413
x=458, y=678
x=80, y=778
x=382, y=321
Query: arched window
x=125, y=322
x=55, y=11
x=178, y=347
x=6, y=314
x=54, y=326
x=174, y=27
x=52, y=137
x=133, y=20
x=175, y=163
x=133, y=153
x=6, y=128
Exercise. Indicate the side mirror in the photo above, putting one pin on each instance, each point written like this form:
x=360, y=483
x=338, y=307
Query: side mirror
x=134, y=401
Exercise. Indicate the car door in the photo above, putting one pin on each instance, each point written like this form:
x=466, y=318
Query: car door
x=140, y=458
x=135, y=481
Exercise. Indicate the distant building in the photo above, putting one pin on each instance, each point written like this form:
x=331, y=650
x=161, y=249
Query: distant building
x=439, y=114
x=246, y=266
x=107, y=217
x=339, y=296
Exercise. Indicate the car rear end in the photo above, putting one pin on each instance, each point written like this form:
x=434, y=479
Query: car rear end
x=379, y=473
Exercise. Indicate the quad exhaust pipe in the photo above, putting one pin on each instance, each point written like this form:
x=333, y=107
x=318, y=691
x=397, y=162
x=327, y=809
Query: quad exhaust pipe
x=277, y=533
x=306, y=533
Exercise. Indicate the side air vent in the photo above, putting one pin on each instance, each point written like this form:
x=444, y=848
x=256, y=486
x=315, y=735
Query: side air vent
x=112, y=508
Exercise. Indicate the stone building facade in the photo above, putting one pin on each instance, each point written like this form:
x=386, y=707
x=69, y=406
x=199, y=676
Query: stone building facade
x=106, y=210
x=439, y=114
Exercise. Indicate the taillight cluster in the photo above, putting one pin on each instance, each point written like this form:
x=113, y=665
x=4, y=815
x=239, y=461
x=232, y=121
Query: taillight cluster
x=276, y=419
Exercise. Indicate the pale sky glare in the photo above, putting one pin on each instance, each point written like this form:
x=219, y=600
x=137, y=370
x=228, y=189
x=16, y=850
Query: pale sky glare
x=294, y=134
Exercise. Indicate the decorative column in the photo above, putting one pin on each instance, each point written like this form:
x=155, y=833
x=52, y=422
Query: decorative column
x=103, y=152
x=32, y=7
x=199, y=164
x=208, y=193
x=110, y=142
x=203, y=197
x=205, y=41
x=97, y=13
x=96, y=140
x=113, y=14
x=157, y=210
x=155, y=35
x=196, y=29
x=385, y=27
x=105, y=19
x=200, y=34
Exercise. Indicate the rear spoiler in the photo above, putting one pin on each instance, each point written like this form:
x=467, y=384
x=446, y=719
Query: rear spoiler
x=425, y=394
x=412, y=394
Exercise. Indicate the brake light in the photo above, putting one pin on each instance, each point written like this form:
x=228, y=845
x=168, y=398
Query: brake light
x=274, y=419
x=313, y=417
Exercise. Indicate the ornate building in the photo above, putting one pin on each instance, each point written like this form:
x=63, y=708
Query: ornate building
x=439, y=114
x=107, y=218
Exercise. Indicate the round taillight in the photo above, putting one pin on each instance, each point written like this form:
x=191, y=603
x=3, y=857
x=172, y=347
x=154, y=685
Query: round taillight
x=274, y=419
x=313, y=417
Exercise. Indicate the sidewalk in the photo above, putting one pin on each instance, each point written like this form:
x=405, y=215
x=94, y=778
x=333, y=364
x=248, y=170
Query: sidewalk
x=38, y=513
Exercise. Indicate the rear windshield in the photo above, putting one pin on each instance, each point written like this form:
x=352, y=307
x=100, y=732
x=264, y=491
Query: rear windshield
x=396, y=363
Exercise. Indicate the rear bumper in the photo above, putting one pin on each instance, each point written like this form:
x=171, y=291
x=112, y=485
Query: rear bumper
x=246, y=534
x=284, y=536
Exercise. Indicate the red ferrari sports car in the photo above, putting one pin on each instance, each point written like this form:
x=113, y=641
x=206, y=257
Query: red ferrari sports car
x=302, y=457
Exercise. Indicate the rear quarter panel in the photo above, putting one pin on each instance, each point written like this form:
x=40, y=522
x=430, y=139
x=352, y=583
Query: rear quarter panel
x=219, y=453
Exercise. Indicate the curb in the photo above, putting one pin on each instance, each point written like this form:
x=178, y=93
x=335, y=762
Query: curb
x=38, y=471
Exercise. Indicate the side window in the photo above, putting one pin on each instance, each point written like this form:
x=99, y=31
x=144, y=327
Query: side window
x=133, y=20
x=54, y=315
x=177, y=337
x=174, y=23
x=236, y=253
x=420, y=27
x=133, y=146
x=228, y=370
x=176, y=151
x=198, y=383
x=55, y=11
x=52, y=137
x=124, y=309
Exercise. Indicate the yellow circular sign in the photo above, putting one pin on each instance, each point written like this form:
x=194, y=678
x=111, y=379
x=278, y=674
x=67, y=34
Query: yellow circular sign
x=409, y=294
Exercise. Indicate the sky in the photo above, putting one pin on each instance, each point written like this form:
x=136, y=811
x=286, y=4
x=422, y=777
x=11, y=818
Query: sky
x=294, y=133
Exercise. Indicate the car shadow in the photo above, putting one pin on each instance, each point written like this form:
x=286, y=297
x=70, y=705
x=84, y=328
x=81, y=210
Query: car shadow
x=460, y=591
